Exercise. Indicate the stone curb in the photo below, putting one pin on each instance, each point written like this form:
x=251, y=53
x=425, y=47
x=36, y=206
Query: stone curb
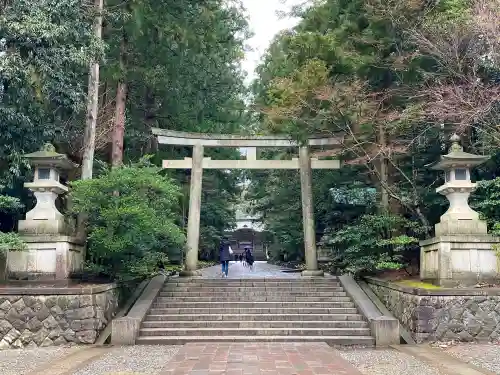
x=384, y=329
x=124, y=330
x=41, y=291
x=403, y=332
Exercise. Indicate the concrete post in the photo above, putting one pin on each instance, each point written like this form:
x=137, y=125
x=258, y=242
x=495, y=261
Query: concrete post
x=193, y=229
x=308, y=214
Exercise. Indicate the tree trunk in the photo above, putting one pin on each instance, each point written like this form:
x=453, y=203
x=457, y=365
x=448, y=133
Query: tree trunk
x=118, y=125
x=149, y=117
x=118, y=131
x=384, y=170
x=92, y=103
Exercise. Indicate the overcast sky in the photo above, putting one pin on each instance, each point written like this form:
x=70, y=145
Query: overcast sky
x=265, y=24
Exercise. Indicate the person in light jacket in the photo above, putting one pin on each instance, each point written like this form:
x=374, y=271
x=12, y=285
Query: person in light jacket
x=225, y=253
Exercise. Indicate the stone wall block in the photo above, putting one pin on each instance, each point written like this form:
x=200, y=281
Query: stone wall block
x=29, y=301
x=61, y=320
x=34, y=324
x=87, y=300
x=69, y=335
x=26, y=337
x=56, y=310
x=86, y=337
x=5, y=305
x=47, y=342
x=55, y=333
x=30, y=321
x=60, y=341
x=12, y=335
x=5, y=327
x=18, y=304
x=443, y=317
x=50, y=302
x=40, y=335
x=50, y=323
x=43, y=313
x=81, y=313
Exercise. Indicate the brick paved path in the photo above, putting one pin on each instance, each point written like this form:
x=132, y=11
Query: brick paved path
x=259, y=359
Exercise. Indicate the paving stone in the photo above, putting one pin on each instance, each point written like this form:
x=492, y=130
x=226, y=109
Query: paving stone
x=259, y=359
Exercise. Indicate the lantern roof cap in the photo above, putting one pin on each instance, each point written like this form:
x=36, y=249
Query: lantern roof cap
x=48, y=157
x=457, y=157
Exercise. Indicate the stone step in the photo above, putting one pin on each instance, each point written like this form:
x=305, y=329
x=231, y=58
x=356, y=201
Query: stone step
x=236, y=289
x=252, y=293
x=233, y=305
x=260, y=279
x=366, y=341
x=223, y=298
x=252, y=282
x=254, y=317
x=165, y=303
x=253, y=310
x=204, y=331
x=221, y=324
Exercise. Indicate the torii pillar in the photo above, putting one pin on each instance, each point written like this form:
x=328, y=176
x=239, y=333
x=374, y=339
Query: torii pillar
x=193, y=227
x=308, y=214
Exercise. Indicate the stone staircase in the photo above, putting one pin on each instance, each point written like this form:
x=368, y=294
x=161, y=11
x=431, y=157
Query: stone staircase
x=239, y=310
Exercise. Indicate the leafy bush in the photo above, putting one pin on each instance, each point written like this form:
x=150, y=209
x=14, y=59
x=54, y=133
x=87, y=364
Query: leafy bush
x=374, y=243
x=11, y=241
x=10, y=204
x=131, y=220
x=486, y=200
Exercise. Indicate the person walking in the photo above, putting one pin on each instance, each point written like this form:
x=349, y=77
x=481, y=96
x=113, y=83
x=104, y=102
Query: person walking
x=249, y=257
x=225, y=253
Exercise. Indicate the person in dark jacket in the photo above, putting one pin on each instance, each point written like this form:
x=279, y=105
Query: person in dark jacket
x=249, y=257
x=225, y=253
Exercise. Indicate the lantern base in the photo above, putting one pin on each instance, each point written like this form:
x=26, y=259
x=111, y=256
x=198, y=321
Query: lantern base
x=43, y=227
x=50, y=257
x=459, y=260
x=460, y=227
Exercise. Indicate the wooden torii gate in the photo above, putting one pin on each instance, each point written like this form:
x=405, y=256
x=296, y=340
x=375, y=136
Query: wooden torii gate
x=198, y=162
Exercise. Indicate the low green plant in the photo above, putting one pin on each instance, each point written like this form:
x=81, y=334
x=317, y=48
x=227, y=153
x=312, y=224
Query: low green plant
x=132, y=214
x=373, y=243
x=10, y=204
x=11, y=241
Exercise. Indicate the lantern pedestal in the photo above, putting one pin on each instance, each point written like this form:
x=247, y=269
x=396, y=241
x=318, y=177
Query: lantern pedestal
x=462, y=253
x=451, y=261
x=53, y=253
x=48, y=257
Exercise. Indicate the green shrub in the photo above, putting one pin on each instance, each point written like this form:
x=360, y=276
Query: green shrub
x=486, y=200
x=11, y=241
x=131, y=214
x=374, y=243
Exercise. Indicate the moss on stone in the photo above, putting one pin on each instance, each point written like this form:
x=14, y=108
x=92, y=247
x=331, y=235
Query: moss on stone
x=417, y=284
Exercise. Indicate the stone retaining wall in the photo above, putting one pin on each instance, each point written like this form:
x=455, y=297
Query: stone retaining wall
x=32, y=317
x=443, y=314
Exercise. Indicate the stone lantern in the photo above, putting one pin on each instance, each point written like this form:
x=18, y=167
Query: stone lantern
x=461, y=252
x=52, y=250
x=45, y=218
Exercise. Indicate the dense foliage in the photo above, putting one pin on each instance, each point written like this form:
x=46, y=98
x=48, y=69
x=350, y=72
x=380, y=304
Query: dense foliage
x=394, y=79
x=132, y=212
x=166, y=64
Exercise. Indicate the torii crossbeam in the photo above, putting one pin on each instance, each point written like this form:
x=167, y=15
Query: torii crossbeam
x=198, y=162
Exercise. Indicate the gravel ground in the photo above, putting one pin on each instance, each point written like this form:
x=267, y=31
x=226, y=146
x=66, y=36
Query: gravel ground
x=486, y=356
x=23, y=361
x=131, y=360
x=385, y=362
